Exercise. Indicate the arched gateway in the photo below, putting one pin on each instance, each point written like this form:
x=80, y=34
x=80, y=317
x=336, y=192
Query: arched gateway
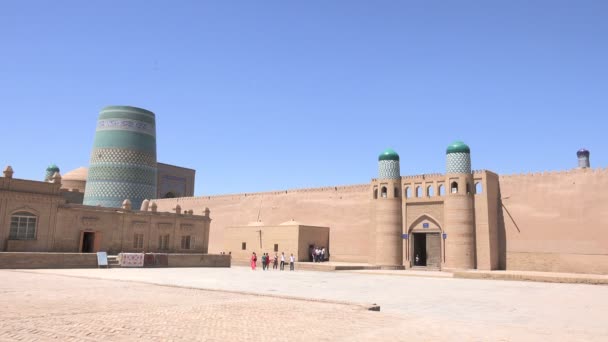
x=425, y=244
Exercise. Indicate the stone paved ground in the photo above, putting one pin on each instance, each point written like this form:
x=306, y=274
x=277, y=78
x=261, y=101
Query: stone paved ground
x=65, y=305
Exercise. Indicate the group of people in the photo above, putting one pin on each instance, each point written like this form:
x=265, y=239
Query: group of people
x=267, y=260
x=318, y=254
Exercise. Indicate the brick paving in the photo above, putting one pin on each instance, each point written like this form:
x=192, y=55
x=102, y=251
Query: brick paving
x=61, y=305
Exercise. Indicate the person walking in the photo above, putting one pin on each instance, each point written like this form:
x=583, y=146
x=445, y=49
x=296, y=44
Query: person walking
x=254, y=260
x=263, y=261
x=282, y=261
x=292, y=261
x=275, y=261
x=322, y=254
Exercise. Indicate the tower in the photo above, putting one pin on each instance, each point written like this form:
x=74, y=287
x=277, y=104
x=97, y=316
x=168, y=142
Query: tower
x=459, y=221
x=50, y=171
x=123, y=160
x=583, y=158
x=386, y=243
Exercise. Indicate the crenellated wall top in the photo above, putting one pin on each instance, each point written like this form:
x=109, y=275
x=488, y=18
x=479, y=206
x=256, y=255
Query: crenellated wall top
x=326, y=189
x=538, y=174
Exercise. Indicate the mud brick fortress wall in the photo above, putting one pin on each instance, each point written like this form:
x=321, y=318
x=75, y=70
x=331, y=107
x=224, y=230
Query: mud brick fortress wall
x=555, y=221
x=551, y=221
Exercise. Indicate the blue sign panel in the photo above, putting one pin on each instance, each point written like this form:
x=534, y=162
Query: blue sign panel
x=445, y=236
x=425, y=225
x=405, y=236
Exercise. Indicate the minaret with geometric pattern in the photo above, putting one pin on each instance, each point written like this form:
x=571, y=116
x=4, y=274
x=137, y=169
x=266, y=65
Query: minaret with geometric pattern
x=459, y=211
x=123, y=160
x=385, y=238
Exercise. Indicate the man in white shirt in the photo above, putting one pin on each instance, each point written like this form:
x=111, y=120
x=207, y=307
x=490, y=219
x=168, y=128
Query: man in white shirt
x=282, y=261
x=322, y=254
x=292, y=261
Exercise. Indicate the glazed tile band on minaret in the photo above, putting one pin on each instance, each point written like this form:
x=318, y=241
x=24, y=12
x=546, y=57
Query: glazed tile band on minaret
x=123, y=160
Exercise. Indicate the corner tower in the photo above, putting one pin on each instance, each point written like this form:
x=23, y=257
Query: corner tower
x=386, y=245
x=123, y=160
x=458, y=208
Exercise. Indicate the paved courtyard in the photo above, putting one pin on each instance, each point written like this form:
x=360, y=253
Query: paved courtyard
x=125, y=304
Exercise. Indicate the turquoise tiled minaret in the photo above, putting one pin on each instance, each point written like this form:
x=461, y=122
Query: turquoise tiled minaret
x=458, y=157
x=123, y=161
x=388, y=165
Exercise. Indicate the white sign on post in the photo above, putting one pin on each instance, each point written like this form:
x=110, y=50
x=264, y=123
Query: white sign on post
x=102, y=259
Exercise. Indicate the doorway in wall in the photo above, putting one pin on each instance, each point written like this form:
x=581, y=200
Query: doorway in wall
x=87, y=242
x=419, y=256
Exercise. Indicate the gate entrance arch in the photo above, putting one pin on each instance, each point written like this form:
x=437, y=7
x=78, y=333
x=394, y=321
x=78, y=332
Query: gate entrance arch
x=425, y=244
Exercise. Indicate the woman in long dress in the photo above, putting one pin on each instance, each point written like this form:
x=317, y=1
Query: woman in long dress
x=254, y=260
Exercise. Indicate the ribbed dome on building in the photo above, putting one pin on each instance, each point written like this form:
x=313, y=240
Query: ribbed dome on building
x=388, y=154
x=50, y=171
x=75, y=179
x=458, y=158
x=388, y=165
x=458, y=147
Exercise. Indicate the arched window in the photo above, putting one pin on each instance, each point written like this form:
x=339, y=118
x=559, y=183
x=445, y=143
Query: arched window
x=430, y=192
x=454, y=188
x=441, y=190
x=396, y=192
x=408, y=192
x=23, y=226
x=418, y=192
x=383, y=192
x=375, y=193
x=478, y=188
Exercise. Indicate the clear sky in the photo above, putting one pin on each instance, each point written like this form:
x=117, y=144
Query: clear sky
x=271, y=95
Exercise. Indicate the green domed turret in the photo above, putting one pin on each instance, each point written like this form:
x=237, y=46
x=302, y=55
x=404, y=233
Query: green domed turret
x=50, y=171
x=458, y=158
x=388, y=154
x=458, y=147
x=388, y=165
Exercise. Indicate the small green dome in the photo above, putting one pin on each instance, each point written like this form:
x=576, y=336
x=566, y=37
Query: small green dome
x=53, y=167
x=388, y=154
x=458, y=147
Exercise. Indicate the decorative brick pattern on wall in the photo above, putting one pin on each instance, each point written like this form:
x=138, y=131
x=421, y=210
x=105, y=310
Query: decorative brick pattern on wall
x=389, y=169
x=458, y=162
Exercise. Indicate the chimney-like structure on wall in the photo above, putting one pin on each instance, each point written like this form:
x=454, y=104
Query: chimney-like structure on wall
x=459, y=221
x=386, y=242
x=583, y=158
x=123, y=160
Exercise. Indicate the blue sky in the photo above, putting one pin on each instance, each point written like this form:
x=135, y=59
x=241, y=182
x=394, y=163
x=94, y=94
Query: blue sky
x=268, y=95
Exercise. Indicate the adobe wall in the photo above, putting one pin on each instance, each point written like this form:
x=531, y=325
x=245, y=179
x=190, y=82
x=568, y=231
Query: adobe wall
x=198, y=260
x=344, y=209
x=17, y=260
x=555, y=221
x=116, y=229
x=285, y=236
